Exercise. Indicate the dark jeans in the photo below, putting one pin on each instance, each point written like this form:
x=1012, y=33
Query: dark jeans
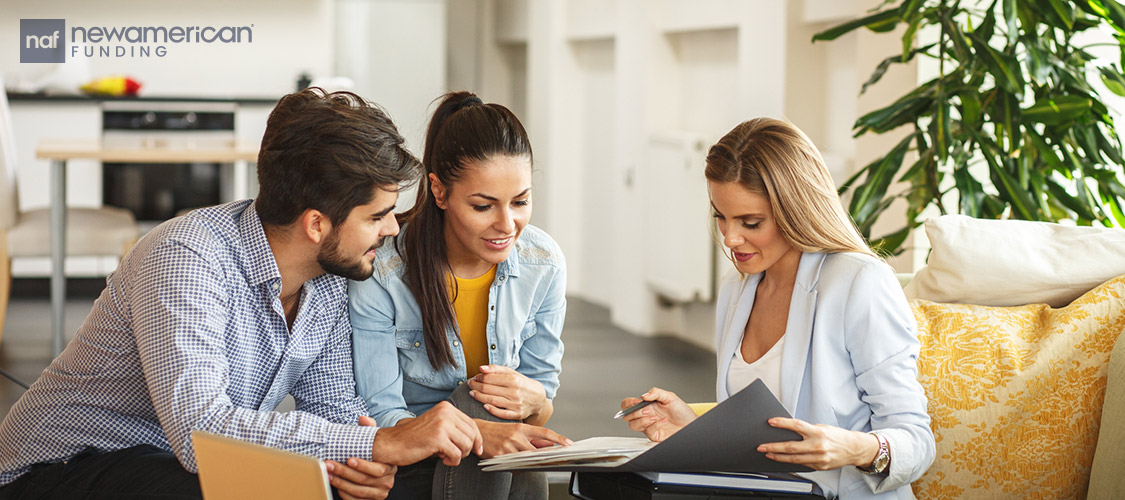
x=432, y=480
x=140, y=472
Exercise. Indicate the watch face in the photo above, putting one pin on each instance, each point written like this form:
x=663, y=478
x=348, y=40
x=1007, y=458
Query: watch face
x=881, y=462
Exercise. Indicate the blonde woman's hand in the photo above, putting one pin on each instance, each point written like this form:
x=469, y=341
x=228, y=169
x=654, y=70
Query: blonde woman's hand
x=824, y=447
x=661, y=419
x=506, y=393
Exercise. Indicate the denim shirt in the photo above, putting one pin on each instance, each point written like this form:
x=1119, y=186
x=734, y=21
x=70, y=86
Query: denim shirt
x=526, y=309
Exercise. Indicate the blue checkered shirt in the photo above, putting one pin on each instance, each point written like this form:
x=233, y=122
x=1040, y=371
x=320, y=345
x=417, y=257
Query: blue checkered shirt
x=189, y=334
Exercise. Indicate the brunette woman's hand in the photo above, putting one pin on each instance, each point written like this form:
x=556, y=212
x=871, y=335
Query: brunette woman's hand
x=662, y=419
x=824, y=447
x=508, y=394
x=501, y=438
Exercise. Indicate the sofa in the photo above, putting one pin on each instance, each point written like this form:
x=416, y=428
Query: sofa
x=1019, y=323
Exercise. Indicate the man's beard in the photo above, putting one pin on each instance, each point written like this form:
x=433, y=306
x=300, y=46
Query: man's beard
x=333, y=262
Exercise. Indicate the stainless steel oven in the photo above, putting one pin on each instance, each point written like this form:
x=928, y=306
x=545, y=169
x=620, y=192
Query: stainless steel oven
x=157, y=192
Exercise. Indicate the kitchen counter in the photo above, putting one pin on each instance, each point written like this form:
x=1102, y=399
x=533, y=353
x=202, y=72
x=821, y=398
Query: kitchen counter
x=78, y=98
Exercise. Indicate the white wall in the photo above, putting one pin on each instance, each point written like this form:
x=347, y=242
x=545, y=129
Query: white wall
x=289, y=36
x=394, y=50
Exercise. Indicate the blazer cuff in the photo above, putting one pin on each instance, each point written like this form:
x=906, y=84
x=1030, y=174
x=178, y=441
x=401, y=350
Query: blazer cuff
x=902, y=462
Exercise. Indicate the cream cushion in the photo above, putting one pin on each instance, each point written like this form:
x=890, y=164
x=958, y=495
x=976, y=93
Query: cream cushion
x=89, y=231
x=1010, y=262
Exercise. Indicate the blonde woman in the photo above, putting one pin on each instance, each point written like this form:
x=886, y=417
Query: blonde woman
x=815, y=314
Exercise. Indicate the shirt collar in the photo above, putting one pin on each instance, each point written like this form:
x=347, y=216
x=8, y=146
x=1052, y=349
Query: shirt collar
x=511, y=266
x=258, y=261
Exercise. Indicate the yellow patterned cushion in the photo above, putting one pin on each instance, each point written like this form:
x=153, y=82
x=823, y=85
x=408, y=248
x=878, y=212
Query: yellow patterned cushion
x=1016, y=394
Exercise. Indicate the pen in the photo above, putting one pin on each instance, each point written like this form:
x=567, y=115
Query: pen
x=633, y=408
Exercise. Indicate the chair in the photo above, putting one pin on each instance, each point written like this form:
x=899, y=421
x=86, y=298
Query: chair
x=103, y=231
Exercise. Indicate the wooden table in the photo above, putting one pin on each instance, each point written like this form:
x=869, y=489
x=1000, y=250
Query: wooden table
x=59, y=151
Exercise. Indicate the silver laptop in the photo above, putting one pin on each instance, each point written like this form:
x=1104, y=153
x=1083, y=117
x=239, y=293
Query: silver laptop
x=230, y=469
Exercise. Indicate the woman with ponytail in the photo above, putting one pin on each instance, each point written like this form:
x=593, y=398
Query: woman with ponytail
x=466, y=305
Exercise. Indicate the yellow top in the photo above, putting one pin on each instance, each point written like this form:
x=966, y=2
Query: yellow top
x=471, y=308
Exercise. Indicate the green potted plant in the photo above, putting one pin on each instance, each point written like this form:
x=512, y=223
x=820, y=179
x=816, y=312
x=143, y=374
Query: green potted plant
x=1011, y=118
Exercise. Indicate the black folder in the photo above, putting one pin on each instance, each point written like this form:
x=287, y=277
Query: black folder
x=725, y=439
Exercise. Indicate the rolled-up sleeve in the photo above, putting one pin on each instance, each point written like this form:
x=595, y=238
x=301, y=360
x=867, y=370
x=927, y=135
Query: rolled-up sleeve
x=542, y=352
x=882, y=339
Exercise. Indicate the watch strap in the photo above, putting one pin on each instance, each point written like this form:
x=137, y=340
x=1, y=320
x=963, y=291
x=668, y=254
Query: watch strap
x=882, y=457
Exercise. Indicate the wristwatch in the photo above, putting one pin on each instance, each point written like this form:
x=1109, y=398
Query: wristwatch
x=882, y=459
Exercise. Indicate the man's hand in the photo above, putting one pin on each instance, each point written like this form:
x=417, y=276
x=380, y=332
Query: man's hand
x=361, y=479
x=660, y=420
x=501, y=438
x=443, y=430
x=506, y=393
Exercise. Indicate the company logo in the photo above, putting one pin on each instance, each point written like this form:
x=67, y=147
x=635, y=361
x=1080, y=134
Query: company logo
x=45, y=40
x=42, y=40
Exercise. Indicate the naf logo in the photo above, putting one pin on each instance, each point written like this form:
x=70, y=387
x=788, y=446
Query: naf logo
x=42, y=40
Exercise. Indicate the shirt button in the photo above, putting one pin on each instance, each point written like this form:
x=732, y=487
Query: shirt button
x=459, y=382
x=491, y=308
x=416, y=344
x=276, y=286
x=493, y=346
x=502, y=278
x=456, y=343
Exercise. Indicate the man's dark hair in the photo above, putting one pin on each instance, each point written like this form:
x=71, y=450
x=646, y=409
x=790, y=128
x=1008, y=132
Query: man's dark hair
x=327, y=152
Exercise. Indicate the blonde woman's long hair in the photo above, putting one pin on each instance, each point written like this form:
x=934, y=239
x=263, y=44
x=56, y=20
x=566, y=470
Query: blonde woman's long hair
x=775, y=159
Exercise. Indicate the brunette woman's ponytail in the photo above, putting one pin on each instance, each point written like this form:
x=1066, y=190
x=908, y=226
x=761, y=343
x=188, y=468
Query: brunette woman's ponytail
x=462, y=130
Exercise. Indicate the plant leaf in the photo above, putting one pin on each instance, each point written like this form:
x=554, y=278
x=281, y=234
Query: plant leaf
x=1113, y=81
x=885, y=64
x=1012, y=192
x=909, y=9
x=1061, y=109
x=960, y=46
x=1010, y=19
x=1111, y=149
x=988, y=25
x=970, y=107
x=1046, y=152
x=903, y=111
x=1111, y=11
x=939, y=128
x=1059, y=193
x=878, y=19
x=891, y=244
x=1003, y=67
x=880, y=173
x=1064, y=12
x=1005, y=114
x=970, y=193
x=1113, y=194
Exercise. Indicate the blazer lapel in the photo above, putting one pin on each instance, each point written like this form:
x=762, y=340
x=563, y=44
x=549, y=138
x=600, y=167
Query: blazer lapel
x=799, y=330
x=738, y=313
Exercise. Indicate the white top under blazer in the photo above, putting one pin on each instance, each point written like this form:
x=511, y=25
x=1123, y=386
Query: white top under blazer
x=850, y=360
x=767, y=368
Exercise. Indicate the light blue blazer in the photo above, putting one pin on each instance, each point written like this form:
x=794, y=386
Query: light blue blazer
x=849, y=360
